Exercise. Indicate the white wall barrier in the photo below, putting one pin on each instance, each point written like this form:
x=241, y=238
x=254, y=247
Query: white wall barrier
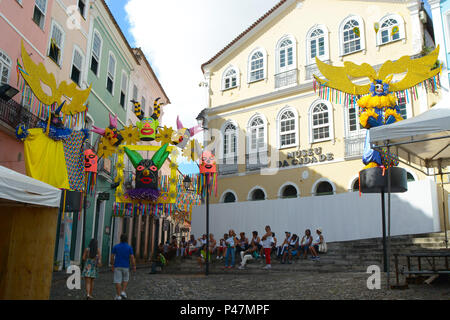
x=342, y=217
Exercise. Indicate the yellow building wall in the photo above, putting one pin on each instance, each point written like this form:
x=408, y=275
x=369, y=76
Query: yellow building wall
x=297, y=21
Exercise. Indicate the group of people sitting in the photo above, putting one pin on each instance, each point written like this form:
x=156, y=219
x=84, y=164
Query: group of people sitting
x=257, y=247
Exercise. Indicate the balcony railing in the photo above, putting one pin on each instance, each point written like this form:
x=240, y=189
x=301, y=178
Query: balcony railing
x=354, y=146
x=256, y=161
x=285, y=79
x=228, y=166
x=13, y=114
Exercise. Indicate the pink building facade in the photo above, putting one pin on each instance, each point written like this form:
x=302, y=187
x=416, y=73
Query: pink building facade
x=28, y=21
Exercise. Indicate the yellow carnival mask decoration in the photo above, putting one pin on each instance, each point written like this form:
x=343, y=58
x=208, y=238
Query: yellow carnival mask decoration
x=417, y=70
x=35, y=74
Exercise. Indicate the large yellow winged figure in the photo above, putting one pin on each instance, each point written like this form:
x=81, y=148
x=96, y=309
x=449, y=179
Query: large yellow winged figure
x=379, y=105
x=35, y=74
x=417, y=71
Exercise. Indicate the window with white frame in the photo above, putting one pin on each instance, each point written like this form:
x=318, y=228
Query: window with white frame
x=353, y=125
x=257, y=135
x=316, y=43
x=286, y=55
x=391, y=29
x=320, y=122
x=230, y=78
x=229, y=141
x=352, y=36
x=288, y=128
x=5, y=68
x=77, y=65
x=39, y=12
x=96, y=53
x=56, y=43
x=123, y=89
x=257, y=66
x=111, y=74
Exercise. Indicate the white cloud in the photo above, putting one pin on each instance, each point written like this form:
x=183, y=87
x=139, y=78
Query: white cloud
x=178, y=36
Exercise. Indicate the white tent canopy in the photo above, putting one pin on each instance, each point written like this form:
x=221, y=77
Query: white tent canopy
x=20, y=188
x=423, y=140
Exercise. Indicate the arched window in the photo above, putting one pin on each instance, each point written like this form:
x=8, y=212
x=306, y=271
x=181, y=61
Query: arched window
x=257, y=134
x=229, y=140
x=286, y=54
x=287, y=124
x=392, y=28
x=352, y=35
x=230, y=78
x=317, y=44
x=289, y=191
x=5, y=68
x=257, y=195
x=355, y=186
x=324, y=188
x=257, y=66
x=410, y=177
x=229, y=197
x=321, y=122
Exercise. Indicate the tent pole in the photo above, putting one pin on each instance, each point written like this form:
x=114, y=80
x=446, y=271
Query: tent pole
x=389, y=221
x=383, y=221
x=443, y=203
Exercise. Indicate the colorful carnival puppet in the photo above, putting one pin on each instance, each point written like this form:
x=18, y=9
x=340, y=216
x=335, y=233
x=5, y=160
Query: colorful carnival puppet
x=183, y=135
x=111, y=133
x=146, y=180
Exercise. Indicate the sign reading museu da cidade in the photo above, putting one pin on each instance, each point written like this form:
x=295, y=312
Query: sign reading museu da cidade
x=304, y=157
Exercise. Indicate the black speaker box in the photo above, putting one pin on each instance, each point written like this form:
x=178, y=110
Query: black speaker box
x=373, y=181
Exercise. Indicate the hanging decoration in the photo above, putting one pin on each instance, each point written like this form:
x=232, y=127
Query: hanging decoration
x=148, y=188
x=164, y=135
x=183, y=135
x=34, y=75
x=193, y=151
x=378, y=99
x=90, y=168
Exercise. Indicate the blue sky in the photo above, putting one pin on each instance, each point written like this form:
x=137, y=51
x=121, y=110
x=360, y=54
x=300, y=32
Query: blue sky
x=117, y=8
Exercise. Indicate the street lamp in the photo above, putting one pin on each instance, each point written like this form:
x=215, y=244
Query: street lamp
x=201, y=119
x=187, y=183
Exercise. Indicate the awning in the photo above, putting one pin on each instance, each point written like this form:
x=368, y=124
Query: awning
x=17, y=187
x=423, y=140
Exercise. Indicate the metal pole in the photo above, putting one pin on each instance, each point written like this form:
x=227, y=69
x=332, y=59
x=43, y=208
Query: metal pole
x=383, y=219
x=83, y=236
x=207, y=224
x=389, y=222
x=443, y=203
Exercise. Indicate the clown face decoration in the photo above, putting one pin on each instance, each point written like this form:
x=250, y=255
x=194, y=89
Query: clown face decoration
x=146, y=181
x=183, y=135
x=90, y=161
x=147, y=129
x=208, y=163
x=148, y=126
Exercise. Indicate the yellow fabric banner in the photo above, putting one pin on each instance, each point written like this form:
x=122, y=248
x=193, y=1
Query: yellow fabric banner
x=44, y=159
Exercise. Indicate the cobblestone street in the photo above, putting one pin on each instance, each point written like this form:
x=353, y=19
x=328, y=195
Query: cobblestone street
x=273, y=285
